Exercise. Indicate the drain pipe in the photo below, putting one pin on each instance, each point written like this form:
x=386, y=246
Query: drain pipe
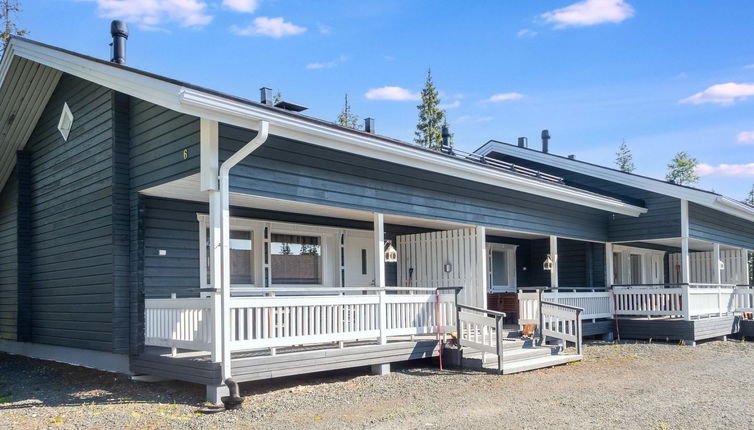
x=223, y=177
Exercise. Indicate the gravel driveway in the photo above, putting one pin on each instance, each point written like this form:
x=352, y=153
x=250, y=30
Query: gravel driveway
x=627, y=385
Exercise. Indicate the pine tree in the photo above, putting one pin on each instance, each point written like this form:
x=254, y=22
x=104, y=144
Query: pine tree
x=278, y=98
x=624, y=159
x=431, y=118
x=750, y=198
x=8, y=8
x=346, y=118
x=681, y=169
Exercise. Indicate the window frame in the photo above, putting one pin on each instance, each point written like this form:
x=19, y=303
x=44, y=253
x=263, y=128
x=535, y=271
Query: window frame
x=510, y=258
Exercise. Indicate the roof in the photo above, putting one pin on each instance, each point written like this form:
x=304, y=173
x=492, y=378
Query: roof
x=706, y=198
x=201, y=102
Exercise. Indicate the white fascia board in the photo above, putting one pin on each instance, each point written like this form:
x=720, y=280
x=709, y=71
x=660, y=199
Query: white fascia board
x=318, y=134
x=714, y=201
x=218, y=108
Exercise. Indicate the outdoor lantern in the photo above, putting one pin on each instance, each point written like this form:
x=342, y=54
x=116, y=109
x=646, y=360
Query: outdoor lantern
x=391, y=255
x=547, y=265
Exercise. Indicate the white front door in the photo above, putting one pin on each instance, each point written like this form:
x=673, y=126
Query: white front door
x=359, y=261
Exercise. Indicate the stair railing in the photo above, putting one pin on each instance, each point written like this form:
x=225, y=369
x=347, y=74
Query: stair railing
x=481, y=329
x=560, y=321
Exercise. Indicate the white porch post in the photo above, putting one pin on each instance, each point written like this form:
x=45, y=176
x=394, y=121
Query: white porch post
x=716, y=261
x=482, y=274
x=379, y=282
x=685, y=269
x=608, y=265
x=209, y=143
x=379, y=270
x=554, y=257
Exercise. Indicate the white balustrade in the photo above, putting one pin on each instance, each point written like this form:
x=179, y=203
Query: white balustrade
x=744, y=299
x=595, y=304
x=278, y=321
x=178, y=323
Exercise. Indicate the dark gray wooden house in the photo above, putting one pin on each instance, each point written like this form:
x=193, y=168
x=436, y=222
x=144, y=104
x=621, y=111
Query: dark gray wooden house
x=153, y=227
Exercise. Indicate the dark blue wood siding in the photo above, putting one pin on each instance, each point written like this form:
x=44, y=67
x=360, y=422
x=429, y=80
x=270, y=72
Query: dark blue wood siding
x=302, y=172
x=714, y=226
x=171, y=225
x=72, y=219
x=8, y=260
x=159, y=137
x=662, y=220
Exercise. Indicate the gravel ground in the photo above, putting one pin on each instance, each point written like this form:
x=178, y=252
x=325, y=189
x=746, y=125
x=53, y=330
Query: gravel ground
x=627, y=385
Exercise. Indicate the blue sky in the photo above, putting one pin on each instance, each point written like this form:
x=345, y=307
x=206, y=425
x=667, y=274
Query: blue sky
x=664, y=75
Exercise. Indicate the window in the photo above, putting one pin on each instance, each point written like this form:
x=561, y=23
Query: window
x=636, y=272
x=617, y=268
x=66, y=122
x=241, y=257
x=502, y=268
x=296, y=259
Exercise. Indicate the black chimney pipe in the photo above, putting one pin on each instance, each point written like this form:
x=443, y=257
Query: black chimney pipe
x=545, y=141
x=265, y=96
x=369, y=125
x=119, y=31
x=445, y=136
x=523, y=142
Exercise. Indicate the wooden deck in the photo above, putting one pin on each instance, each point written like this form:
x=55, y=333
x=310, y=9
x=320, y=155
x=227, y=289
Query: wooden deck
x=678, y=328
x=260, y=364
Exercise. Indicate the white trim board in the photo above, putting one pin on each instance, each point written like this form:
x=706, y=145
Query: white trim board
x=99, y=360
x=229, y=110
x=712, y=200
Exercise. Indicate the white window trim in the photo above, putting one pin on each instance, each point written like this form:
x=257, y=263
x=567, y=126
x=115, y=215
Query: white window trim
x=646, y=263
x=329, y=246
x=510, y=255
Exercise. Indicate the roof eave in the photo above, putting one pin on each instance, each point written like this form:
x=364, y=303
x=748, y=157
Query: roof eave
x=193, y=101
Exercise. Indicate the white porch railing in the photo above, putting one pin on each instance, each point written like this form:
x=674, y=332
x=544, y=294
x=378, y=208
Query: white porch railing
x=482, y=330
x=744, y=299
x=278, y=321
x=686, y=301
x=562, y=322
x=595, y=304
x=178, y=323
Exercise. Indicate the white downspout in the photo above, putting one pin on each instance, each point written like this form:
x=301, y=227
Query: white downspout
x=223, y=178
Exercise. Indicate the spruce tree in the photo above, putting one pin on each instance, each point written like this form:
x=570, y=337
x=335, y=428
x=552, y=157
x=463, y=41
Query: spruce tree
x=624, y=159
x=8, y=8
x=681, y=169
x=750, y=197
x=431, y=118
x=346, y=118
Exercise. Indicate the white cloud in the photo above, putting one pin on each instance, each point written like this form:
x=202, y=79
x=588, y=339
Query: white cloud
x=151, y=14
x=726, y=170
x=484, y=119
x=324, y=29
x=525, y=32
x=746, y=137
x=723, y=94
x=326, y=64
x=452, y=105
x=272, y=27
x=392, y=93
x=470, y=118
x=749, y=66
x=589, y=12
x=243, y=6
x=502, y=97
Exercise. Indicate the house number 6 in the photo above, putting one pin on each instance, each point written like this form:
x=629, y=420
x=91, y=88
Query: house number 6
x=185, y=154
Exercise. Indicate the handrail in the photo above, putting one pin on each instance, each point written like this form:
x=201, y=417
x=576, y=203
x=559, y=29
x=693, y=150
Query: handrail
x=487, y=311
x=563, y=335
x=574, y=308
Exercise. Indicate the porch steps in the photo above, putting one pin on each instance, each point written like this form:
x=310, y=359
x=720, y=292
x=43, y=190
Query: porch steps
x=518, y=356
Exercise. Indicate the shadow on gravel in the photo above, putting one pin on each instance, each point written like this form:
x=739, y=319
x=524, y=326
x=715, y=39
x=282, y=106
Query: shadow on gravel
x=27, y=382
